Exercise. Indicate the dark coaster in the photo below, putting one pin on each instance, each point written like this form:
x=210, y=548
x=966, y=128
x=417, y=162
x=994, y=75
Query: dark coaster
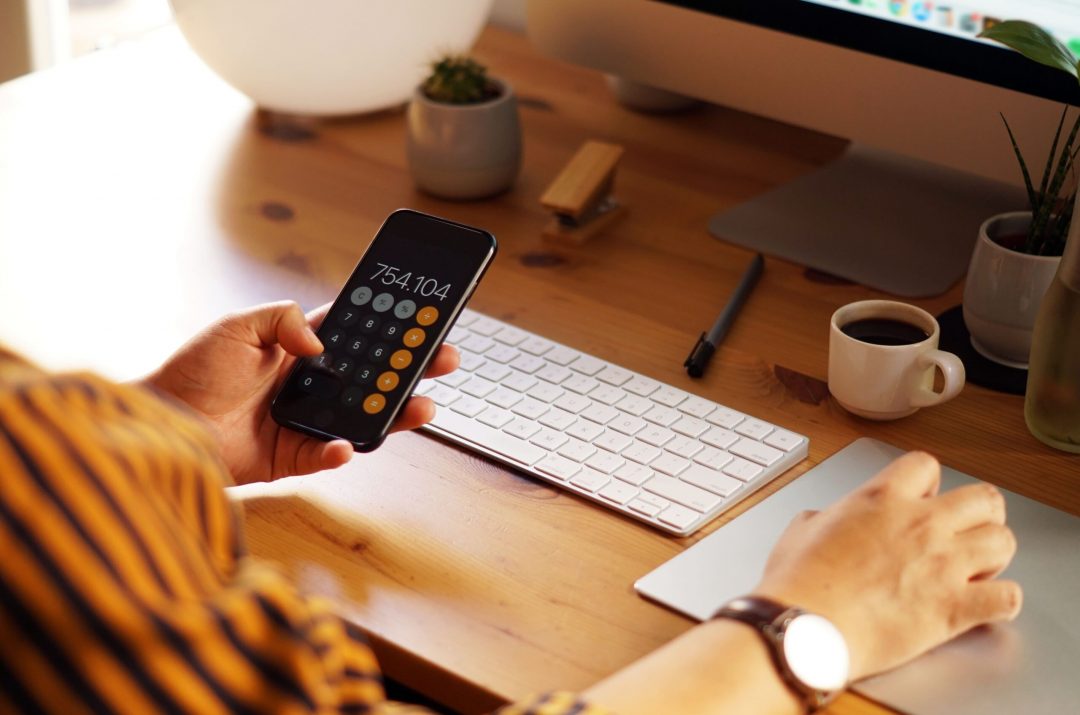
x=980, y=371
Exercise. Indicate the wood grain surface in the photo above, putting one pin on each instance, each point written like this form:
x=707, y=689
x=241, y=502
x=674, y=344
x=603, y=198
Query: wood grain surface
x=141, y=197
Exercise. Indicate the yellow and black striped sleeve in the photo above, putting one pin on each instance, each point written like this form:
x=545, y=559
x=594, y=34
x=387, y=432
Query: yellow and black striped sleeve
x=123, y=584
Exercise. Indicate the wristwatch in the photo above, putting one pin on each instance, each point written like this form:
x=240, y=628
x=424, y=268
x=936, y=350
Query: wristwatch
x=808, y=650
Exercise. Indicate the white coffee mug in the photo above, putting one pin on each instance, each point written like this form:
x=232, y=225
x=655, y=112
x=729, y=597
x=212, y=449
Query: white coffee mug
x=884, y=382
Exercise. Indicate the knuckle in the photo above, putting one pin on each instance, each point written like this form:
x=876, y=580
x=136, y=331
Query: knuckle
x=1012, y=596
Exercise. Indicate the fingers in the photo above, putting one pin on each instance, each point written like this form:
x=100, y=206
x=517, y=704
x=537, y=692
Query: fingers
x=914, y=475
x=312, y=455
x=990, y=602
x=972, y=506
x=985, y=551
x=276, y=324
x=446, y=360
x=316, y=317
x=418, y=411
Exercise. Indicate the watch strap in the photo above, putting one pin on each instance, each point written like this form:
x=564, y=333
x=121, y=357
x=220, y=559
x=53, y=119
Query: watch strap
x=770, y=618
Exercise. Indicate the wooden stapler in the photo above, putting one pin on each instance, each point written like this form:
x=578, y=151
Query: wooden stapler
x=580, y=196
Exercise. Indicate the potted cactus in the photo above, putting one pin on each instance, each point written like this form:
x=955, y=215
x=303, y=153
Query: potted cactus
x=463, y=134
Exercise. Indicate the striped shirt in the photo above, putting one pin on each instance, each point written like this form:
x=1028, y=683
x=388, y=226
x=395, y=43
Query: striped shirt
x=124, y=587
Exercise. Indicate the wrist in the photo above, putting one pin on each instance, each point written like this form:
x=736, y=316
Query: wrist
x=807, y=650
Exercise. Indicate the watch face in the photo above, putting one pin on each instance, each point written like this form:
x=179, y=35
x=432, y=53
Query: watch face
x=816, y=652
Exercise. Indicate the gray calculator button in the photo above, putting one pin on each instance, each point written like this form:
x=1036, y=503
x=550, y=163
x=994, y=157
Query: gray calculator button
x=382, y=303
x=361, y=296
x=404, y=309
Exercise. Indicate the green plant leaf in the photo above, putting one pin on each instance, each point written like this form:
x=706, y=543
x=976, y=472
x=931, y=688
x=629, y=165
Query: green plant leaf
x=1035, y=43
x=1032, y=197
x=1053, y=152
x=1037, y=237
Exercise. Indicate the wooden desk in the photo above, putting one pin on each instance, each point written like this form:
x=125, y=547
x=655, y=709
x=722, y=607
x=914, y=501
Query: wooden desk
x=139, y=200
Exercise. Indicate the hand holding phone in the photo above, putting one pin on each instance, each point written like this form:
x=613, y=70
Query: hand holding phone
x=383, y=329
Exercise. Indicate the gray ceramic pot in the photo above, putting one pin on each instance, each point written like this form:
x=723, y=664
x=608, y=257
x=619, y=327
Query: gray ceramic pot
x=464, y=151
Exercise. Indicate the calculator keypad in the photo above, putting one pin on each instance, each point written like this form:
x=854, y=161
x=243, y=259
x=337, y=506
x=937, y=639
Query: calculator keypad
x=370, y=340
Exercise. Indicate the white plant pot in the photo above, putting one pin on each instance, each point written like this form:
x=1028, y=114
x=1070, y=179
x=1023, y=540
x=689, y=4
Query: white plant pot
x=464, y=151
x=1003, y=291
x=327, y=57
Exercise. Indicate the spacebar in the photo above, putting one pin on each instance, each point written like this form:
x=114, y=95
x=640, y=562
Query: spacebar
x=516, y=449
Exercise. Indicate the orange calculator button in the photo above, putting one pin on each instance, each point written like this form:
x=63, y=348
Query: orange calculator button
x=427, y=315
x=414, y=338
x=374, y=404
x=388, y=381
x=401, y=359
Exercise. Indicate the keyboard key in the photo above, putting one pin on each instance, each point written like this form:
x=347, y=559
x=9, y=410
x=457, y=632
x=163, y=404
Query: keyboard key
x=684, y=446
x=502, y=354
x=528, y=364
x=577, y=450
x=663, y=416
x=549, y=439
x=669, y=464
x=467, y=318
x=470, y=361
x=628, y=424
x=520, y=382
x=553, y=373
x=682, y=493
x=690, y=426
x=478, y=387
x=545, y=392
x=756, y=452
x=557, y=419
x=486, y=327
x=572, y=403
x=455, y=379
x=614, y=375
x=505, y=398
x=669, y=396
x=495, y=417
x=712, y=457
x=511, y=336
x=713, y=481
x=678, y=516
x=536, y=346
x=457, y=334
x=587, y=365
x=477, y=344
x=607, y=394
x=613, y=441
x=558, y=467
x=648, y=504
x=634, y=405
x=562, y=355
x=585, y=430
x=719, y=438
x=580, y=384
x=601, y=414
x=530, y=409
x=605, y=462
x=443, y=395
x=755, y=429
x=619, y=492
x=522, y=429
x=492, y=371
x=697, y=407
x=499, y=442
x=725, y=417
x=469, y=406
x=634, y=474
x=656, y=436
x=590, y=480
x=641, y=453
x=742, y=469
x=641, y=386
x=782, y=439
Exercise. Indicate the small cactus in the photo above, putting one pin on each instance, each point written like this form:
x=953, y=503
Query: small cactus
x=457, y=79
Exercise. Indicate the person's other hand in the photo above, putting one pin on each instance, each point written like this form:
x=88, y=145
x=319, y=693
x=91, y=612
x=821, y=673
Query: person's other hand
x=229, y=372
x=897, y=567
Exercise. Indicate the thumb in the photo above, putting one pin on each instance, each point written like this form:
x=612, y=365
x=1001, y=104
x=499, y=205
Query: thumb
x=312, y=455
x=280, y=323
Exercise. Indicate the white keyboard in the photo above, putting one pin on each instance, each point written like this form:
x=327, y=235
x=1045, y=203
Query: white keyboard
x=633, y=444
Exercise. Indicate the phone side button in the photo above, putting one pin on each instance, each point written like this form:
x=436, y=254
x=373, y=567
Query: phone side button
x=515, y=449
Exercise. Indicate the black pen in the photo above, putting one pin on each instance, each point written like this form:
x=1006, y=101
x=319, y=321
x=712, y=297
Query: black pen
x=706, y=344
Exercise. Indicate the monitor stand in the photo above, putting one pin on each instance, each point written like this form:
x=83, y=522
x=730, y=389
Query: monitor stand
x=886, y=221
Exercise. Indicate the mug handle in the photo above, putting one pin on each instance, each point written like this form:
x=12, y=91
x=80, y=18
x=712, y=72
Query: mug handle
x=954, y=373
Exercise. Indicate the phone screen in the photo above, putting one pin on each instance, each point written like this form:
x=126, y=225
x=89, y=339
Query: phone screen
x=383, y=328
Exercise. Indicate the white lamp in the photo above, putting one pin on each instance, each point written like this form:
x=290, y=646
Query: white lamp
x=326, y=57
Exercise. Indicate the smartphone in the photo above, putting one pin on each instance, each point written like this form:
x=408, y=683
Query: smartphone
x=383, y=329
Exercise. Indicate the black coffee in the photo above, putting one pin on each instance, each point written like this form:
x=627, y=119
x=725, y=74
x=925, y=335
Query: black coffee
x=882, y=331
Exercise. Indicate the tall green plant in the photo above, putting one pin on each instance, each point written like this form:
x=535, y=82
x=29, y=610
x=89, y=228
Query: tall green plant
x=1052, y=201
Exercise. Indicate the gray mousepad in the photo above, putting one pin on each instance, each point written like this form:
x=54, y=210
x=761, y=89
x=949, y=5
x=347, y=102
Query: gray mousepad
x=1029, y=666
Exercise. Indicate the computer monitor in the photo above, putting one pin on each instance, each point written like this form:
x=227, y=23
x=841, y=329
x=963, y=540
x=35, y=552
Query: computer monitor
x=908, y=83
